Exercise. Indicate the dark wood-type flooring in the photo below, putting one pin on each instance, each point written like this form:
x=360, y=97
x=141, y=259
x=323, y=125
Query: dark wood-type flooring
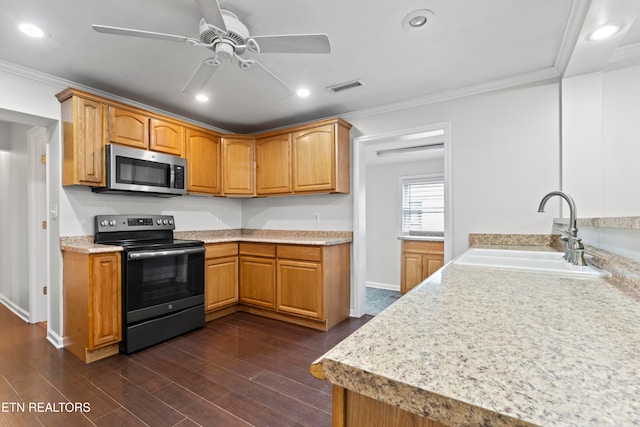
x=240, y=370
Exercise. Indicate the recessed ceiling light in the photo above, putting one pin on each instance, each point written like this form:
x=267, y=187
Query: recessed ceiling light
x=202, y=97
x=303, y=92
x=604, y=32
x=417, y=19
x=31, y=30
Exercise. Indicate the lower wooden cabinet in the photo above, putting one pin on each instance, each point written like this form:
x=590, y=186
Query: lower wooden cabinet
x=258, y=274
x=303, y=284
x=221, y=275
x=420, y=259
x=300, y=288
x=92, y=304
x=314, y=282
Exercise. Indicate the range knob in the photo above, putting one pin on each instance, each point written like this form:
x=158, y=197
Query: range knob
x=159, y=222
x=170, y=222
x=104, y=223
x=165, y=222
x=112, y=222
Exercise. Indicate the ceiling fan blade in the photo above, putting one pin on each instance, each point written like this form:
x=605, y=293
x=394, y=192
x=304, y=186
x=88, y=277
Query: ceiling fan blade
x=294, y=43
x=210, y=10
x=200, y=77
x=269, y=80
x=139, y=33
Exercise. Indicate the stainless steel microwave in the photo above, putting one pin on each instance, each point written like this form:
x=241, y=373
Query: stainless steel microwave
x=134, y=171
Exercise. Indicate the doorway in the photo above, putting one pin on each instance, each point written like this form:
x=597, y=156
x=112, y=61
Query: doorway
x=370, y=146
x=24, y=259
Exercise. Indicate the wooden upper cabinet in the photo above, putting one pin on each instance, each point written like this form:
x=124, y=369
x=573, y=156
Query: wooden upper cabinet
x=238, y=166
x=203, y=160
x=128, y=128
x=273, y=165
x=166, y=137
x=83, y=133
x=321, y=158
x=306, y=159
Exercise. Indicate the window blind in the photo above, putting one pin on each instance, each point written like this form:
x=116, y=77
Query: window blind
x=423, y=205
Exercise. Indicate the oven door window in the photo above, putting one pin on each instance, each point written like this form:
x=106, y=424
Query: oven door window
x=155, y=280
x=142, y=172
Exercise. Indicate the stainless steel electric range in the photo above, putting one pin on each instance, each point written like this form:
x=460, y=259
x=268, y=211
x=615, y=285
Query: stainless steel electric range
x=162, y=278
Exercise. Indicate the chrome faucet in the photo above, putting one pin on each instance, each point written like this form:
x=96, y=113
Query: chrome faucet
x=573, y=247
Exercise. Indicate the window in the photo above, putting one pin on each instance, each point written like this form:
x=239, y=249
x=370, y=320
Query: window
x=423, y=205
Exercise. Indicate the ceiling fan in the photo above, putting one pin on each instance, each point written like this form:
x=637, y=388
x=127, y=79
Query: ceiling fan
x=228, y=38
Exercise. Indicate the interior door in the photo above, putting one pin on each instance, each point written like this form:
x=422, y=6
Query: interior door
x=38, y=222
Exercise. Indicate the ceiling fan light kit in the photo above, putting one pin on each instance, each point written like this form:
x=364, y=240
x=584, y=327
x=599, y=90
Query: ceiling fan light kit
x=227, y=37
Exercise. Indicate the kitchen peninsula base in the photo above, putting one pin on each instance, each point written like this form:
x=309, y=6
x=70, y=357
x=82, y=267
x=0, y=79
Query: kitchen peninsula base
x=351, y=409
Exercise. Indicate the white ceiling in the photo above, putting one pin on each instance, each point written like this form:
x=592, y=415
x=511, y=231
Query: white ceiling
x=469, y=46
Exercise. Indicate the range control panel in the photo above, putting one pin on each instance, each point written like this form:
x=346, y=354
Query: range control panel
x=109, y=223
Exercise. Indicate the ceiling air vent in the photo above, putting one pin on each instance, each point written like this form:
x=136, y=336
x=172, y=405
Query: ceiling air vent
x=344, y=86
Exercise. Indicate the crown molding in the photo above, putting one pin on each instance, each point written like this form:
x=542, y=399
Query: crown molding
x=546, y=74
x=52, y=80
x=577, y=15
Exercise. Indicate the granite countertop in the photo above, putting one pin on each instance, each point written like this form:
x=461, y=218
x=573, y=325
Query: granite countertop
x=490, y=347
x=85, y=244
x=422, y=238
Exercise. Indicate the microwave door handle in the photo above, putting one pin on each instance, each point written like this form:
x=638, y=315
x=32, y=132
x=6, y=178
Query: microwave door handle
x=171, y=252
x=172, y=177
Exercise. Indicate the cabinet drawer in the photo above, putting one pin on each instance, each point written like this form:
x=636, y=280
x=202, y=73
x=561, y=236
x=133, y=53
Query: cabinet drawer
x=307, y=253
x=217, y=250
x=258, y=249
x=422, y=247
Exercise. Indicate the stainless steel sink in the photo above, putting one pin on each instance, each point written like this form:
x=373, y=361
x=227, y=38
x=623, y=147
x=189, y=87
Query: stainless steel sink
x=541, y=261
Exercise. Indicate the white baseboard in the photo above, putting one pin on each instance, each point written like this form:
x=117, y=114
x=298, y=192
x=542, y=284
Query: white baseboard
x=387, y=286
x=23, y=314
x=55, y=339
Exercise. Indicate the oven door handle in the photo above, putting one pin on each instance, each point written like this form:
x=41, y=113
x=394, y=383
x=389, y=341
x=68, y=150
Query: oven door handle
x=170, y=252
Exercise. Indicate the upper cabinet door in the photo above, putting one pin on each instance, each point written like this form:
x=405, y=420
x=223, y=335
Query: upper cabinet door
x=128, y=128
x=273, y=165
x=314, y=159
x=166, y=137
x=238, y=170
x=203, y=162
x=83, y=133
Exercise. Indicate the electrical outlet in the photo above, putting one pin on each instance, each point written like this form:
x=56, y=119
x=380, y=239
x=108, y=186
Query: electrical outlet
x=316, y=217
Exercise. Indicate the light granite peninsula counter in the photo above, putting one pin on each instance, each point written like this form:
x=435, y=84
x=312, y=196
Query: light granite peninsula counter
x=475, y=346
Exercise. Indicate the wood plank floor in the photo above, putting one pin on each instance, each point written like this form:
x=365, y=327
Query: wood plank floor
x=240, y=370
